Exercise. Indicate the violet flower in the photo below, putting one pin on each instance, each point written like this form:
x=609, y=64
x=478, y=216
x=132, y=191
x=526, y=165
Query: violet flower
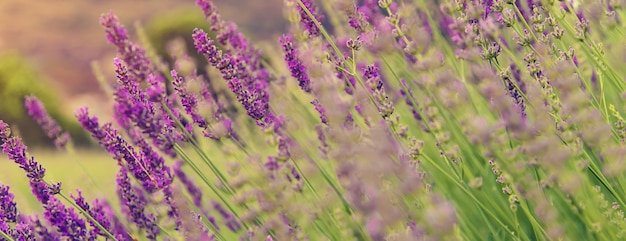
x=42, y=231
x=254, y=98
x=147, y=166
x=321, y=110
x=409, y=98
x=172, y=211
x=119, y=229
x=228, y=218
x=297, y=69
x=15, y=150
x=308, y=22
x=192, y=189
x=374, y=82
x=5, y=228
x=8, y=207
x=134, y=204
x=133, y=105
x=96, y=213
x=188, y=100
x=132, y=54
x=37, y=111
x=24, y=231
x=233, y=40
x=68, y=223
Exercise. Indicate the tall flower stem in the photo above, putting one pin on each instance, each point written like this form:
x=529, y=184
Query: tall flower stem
x=196, y=147
x=88, y=216
x=188, y=160
x=206, y=180
x=5, y=236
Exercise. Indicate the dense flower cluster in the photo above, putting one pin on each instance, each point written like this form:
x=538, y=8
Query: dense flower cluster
x=391, y=120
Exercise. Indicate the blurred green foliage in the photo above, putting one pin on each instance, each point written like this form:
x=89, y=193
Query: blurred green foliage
x=19, y=79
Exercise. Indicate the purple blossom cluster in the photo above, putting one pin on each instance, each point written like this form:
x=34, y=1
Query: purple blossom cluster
x=251, y=94
x=306, y=7
x=506, y=115
x=67, y=222
x=297, y=69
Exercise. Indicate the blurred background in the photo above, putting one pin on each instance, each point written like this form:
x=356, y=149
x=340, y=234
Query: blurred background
x=47, y=49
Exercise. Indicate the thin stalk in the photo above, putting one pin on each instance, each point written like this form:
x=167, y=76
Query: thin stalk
x=199, y=151
x=5, y=236
x=88, y=216
x=213, y=188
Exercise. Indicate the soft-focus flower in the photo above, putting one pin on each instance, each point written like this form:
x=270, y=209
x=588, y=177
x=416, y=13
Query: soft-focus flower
x=134, y=205
x=297, y=69
x=133, y=54
x=37, y=111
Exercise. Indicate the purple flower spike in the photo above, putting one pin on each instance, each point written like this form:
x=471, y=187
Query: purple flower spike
x=487, y=5
x=68, y=223
x=297, y=69
x=132, y=54
x=37, y=111
x=15, y=150
x=155, y=90
x=229, y=36
x=8, y=207
x=134, y=203
x=228, y=218
x=188, y=100
x=42, y=231
x=5, y=228
x=96, y=212
x=134, y=106
x=41, y=191
x=192, y=189
x=24, y=231
x=320, y=109
x=147, y=166
x=251, y=94
x=309, y=23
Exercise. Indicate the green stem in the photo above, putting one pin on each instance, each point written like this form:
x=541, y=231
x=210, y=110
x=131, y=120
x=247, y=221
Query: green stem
x=213, y=188
x=5, y=236
x=198, y=150
x=88, y=216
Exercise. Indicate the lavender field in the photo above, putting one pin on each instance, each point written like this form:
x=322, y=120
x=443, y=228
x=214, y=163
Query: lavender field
x=365, y=120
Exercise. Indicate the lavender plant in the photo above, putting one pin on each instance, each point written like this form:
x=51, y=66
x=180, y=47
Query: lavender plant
x=396, y=120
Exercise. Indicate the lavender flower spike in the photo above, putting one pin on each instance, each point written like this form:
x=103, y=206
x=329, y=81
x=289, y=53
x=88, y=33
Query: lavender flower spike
x=309, y=23
x=68, y=223
x=15, y=150
x=96, y=212
x=134, y=203
x=147, y=167
x=37, y=111
x=8, y=207
x=133, y=54
x=297, y=69
x=253, y=97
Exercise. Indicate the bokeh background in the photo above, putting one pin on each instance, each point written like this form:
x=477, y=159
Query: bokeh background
x=47, y=49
